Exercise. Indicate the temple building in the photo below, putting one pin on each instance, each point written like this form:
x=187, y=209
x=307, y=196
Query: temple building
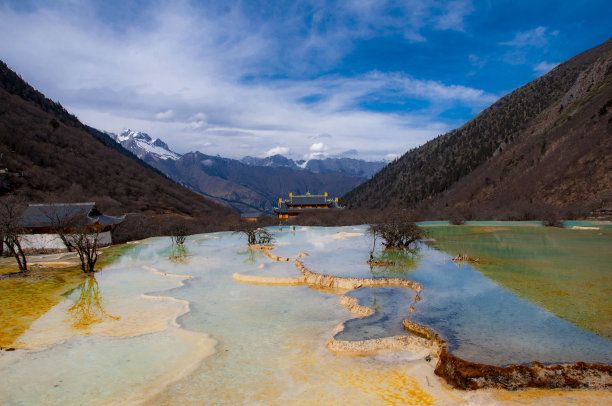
x=298, y=204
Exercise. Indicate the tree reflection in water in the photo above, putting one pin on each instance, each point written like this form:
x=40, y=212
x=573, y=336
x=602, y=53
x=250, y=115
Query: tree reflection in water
x=250, y=259
x=178, y=254
x=395, y=263
x=87, y=309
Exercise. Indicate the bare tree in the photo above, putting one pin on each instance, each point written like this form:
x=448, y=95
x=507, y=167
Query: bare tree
x=373, y=231
x=397, y=231
x=77, y=235
x=178, y=233
x=11, y=208
x=86, y=246
x=255, y=235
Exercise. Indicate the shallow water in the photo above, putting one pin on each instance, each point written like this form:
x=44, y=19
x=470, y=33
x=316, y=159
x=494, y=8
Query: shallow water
x=568, y=272
x=481, y=321
x=252, y=344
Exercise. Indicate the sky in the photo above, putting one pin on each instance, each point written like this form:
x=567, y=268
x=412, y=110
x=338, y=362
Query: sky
x=307, y=79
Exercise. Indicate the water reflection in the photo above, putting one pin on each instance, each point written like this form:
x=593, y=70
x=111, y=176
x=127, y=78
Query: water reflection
x=271, y=339
x=178, y=254
x=87, y=309
x=250, y=256
x=395, y=263
x=565, y=271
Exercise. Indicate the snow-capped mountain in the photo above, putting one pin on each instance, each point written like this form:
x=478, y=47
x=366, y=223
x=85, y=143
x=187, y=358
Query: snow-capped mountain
x=142, y=144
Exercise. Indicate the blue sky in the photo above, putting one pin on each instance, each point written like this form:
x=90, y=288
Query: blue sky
x=366, y=79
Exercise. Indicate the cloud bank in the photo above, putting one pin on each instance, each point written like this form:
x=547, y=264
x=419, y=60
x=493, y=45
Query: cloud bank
x=240, y=78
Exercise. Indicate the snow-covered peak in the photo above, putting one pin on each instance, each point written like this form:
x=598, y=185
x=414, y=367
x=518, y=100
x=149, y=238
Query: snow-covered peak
x=128, y=134
x=141, y=143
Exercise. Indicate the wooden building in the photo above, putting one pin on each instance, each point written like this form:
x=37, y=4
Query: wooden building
x=40, y=221
x=295, y=205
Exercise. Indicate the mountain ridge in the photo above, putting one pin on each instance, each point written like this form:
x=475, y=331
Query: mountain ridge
x=249, y=184
x=245, y=187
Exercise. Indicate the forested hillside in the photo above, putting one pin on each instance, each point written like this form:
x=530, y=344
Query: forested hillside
x=531, y=129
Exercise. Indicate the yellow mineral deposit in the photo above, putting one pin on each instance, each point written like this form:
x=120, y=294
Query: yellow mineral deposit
x=260, y=247
x=25, y=299
x=90, y=314
x=352, y=305
x=269, y=280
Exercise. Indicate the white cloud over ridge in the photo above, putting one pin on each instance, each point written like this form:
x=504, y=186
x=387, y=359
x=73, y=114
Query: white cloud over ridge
x=207, y=68
x=278, y=150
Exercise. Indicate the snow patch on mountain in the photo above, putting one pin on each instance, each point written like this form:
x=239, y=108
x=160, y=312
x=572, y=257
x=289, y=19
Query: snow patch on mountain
x=141, y=143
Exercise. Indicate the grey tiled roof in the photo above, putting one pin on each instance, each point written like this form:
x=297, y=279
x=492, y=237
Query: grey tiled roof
x=308, y=199
x=79, y=214
x=288, y=205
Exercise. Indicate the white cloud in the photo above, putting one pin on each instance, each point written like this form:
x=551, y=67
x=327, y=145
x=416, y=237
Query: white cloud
x=318, y=147
x=199, y=63
x=536, y=37
x=544, y=67
x=195, y=125
x=278, y=151
x=199, y=117
x=164, y=115
x=317, y=151
x=453, y=15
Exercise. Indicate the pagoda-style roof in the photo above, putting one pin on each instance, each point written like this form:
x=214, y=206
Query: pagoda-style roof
x=307, y=200
x=295, y=205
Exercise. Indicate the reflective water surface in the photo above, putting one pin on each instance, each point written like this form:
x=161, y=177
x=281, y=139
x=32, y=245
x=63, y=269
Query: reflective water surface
x=167, y=326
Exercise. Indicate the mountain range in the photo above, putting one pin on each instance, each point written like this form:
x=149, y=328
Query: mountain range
x=249, y=184
x=546, y=146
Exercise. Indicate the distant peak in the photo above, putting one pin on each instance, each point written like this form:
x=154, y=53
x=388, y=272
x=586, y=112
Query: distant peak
x=141, y=144
x=129, y=133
